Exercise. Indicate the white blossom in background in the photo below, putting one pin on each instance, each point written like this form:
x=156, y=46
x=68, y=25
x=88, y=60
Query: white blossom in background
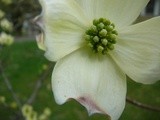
x=30, y=114
x=6, y=39
x=26, y=109
x=6, y=25
x=96, y=46
x=1, y=14
x=7, y=2
x=6, y=28
x=47, y=111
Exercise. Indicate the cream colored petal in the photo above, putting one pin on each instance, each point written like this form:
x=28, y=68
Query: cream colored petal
x=64, y=27
x=138, y=51
x=120, y=12
x=95, y=81
x=40, y=41
x=38, y=20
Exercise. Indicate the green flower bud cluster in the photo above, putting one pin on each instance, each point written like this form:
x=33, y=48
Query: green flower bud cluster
x=29, y=114
x=12, y=105
x=101, y=36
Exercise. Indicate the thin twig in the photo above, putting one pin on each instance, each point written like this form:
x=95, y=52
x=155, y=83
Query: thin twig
x=142, y=105
x=9, y=86
x=38, y=84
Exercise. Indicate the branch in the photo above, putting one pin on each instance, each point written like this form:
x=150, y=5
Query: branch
x=142, y=105
x=38, y=85
x=9, y=86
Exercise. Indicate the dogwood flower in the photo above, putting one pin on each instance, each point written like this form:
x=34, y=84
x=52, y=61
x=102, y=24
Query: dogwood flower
x=96, y=47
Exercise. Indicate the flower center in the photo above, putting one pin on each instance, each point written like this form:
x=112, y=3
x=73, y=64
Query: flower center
x=101, y=36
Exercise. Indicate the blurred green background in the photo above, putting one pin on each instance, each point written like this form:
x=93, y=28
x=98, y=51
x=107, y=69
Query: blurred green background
x=24, y=63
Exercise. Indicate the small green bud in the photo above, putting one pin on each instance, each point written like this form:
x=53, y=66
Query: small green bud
x=96, y=39
x=87, y=37
x=111, y=47
x=47, y=111
x=90, y=45
x=107, y=22
x=105, y=51
x=114, y=41
x=115, y=32
x=27, y=109
x=113, y=25
x=100, y=26
x=109, y=28
x=93, y=29
x=104, y=41
x=95, y=22
x=101, y=19
x=113, y=36
x=103, y=33
x=100, y=48
x=88, y=32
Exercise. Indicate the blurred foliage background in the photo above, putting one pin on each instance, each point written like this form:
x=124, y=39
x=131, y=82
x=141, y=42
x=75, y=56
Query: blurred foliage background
x=24, y=64
x=25, y=74
x=19, y=11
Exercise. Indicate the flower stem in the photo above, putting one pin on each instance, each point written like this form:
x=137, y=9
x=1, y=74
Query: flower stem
x=142, y=105
x=38, y=84
x=9, y=86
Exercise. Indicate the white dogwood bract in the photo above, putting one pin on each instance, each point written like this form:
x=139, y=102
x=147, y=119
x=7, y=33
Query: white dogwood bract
x=97, y=77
